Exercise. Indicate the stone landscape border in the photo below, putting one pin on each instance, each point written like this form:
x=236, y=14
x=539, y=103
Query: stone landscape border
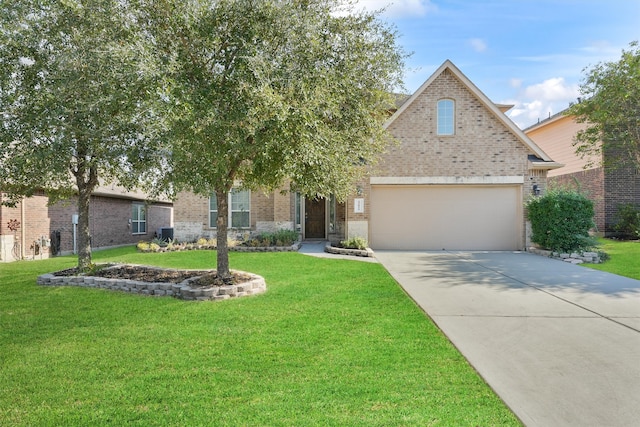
x=573, y=258
x=194, y=247
x=255, y=285
x=353, y=252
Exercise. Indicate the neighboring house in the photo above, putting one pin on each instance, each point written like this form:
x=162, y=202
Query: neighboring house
x=457, y=179
x=608, y=189
x=116, y=218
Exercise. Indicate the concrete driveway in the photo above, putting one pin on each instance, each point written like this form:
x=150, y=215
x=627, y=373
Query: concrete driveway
x=559, y=343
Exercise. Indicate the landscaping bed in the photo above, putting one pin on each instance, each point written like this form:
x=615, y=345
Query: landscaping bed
x=192, y=285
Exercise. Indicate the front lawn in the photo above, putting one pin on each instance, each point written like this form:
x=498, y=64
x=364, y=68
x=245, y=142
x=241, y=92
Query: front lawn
x=331, y=343
x=625, y=258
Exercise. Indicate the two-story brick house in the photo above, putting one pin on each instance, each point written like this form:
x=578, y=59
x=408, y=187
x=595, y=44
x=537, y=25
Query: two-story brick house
x=457, y=179
x=608, y=189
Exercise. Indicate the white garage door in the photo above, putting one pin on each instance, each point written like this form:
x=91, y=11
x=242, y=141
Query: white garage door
x=452, y=217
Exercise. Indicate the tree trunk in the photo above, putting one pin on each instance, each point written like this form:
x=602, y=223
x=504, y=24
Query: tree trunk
x=222, y=197
x=84, y=233
x=86, y=176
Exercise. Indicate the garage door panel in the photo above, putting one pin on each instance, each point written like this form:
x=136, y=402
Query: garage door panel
x=446, y=217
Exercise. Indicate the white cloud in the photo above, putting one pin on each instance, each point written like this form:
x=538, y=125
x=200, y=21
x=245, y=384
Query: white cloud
x=541, y=100
x=478, y=45
x=553, y=89
x=515, y=83
x=601, y=48
x=399, y=8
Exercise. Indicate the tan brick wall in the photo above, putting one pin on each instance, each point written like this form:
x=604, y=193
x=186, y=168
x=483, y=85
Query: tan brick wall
x=268, y=212
x=33, y=226
x=482, y=145
x=191, y=217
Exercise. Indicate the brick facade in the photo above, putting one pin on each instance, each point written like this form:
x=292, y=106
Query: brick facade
x=590, y=181
x=482, y=148
x=607, y=189
x=481, y=145
x=268, y=212
x=34, y=227
x=486, y=147
x=109, y=224
x=621, y=186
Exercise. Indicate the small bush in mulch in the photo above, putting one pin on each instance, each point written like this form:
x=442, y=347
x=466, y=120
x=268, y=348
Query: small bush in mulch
x=354, y=243
x=278, y=238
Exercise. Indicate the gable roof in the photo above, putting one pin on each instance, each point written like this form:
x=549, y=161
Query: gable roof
x=551, y=119
x=495, y=109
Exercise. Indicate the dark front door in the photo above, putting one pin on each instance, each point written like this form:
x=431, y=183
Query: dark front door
x=314, y=219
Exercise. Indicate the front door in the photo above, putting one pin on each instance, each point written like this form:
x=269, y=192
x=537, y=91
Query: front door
x=314, y=219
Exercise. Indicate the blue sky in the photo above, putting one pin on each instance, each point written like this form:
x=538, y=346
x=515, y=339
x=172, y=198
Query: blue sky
x=530, y=53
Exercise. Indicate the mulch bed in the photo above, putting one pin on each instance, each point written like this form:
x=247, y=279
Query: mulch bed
x=206, y=278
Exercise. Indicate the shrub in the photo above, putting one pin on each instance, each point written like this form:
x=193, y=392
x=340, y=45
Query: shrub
x=354, y=243
x=277, y=238
x=561, y=220
x=628, y=221
x=160, y=242
x=284, y=237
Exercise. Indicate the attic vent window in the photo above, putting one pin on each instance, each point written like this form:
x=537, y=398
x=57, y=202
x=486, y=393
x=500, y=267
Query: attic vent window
x=446, y=109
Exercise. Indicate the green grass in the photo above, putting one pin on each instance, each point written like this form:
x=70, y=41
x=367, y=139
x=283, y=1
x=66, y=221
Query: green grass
x=331, y=343
x=625, y=258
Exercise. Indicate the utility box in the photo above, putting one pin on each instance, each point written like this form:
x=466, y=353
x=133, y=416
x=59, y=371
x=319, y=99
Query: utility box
x=165, y=233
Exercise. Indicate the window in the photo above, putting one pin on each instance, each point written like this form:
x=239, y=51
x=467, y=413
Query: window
x=239, y=209
x=240, y=201
x=446, y=109
x=138, y=219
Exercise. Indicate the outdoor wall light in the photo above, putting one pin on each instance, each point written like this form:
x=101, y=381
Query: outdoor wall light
x=359, y=190
x=536, y=190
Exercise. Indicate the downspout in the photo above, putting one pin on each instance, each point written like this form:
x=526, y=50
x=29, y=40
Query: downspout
x=23, y=234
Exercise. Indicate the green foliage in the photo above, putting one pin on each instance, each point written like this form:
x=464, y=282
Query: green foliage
x=628, y=221
x=277, y=238
x=271, y=92
x=609, y=108
x=263, y=91
x=354, y=243
x=561, y=220
x=74, y=100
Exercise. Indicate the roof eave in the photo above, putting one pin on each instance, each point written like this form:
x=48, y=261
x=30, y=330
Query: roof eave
x=550, y=165
x=482, y=97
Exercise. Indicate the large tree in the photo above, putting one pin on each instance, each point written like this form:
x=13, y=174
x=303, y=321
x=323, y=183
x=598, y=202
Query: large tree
x=610, y=107
x=261, y=92
x=71, y=98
